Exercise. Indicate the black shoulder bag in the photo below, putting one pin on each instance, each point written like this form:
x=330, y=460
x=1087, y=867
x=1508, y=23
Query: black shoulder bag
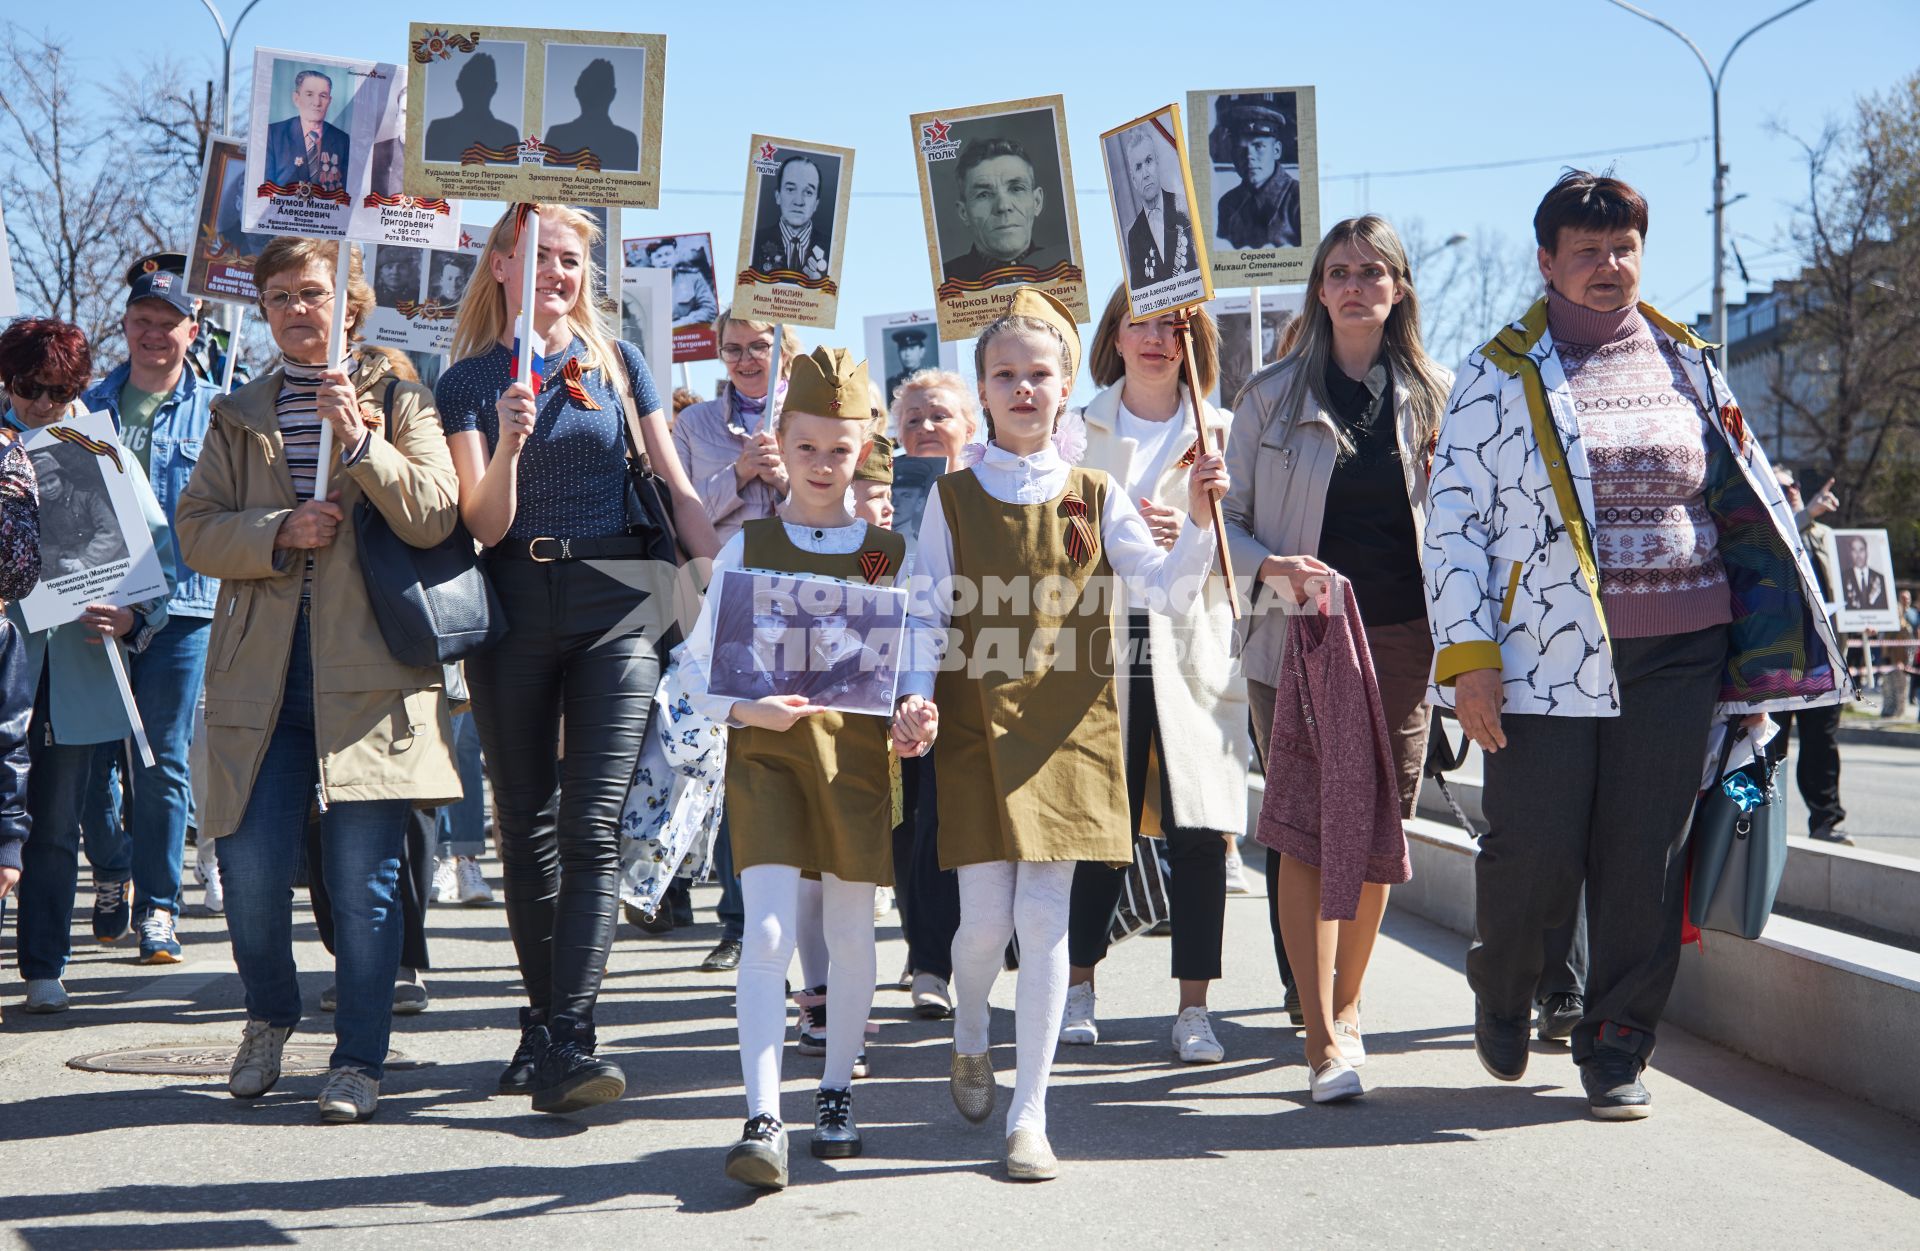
x=649, y=504
x=434, y=605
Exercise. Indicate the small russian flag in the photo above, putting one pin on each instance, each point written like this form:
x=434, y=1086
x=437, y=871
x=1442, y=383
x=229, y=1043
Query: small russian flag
x=538, y=367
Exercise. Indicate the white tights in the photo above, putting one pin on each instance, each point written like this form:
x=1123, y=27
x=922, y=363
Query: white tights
x=771, y=894
x=998, y=901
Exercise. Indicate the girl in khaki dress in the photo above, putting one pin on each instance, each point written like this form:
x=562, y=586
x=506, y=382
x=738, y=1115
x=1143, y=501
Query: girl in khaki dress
x=808, y=789
x=1017, y=553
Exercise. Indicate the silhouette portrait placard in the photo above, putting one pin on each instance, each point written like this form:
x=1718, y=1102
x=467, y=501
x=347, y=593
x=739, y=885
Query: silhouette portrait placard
x=323, y=152
x=793, y=232
x=520, y=113
x=1257, y=193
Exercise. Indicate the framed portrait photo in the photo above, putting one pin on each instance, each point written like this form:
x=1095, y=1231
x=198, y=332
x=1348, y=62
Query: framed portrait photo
x=220, y=267
x=1162, y=255
x=1233, y=315
x=1860, y=569
x=996, y=192
x=646, y=316
x=417, y=292
x=688, y=258
x=1258, y=189
x=95, y=544
x=900, y=345
x=793, y=232
x=531, y=114
x=840, y=644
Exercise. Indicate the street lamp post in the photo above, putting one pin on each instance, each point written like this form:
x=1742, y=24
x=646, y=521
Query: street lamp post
x=1714, y=81
x=226, y=59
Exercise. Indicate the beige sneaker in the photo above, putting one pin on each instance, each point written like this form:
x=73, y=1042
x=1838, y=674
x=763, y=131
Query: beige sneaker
x=972, y=1086
x=1030, y=1158
x=256, y=1065
x=348, y=1096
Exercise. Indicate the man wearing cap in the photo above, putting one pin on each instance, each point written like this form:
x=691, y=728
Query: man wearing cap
x=161, y=409
x=1264, y=210
x=911, y=344
x=307, y=147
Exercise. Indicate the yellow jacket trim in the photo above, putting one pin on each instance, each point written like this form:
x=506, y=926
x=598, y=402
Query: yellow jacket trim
x=1465, y=658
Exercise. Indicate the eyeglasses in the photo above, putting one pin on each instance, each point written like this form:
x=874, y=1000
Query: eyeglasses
x=277, y=301
x=31, y=391
x=734, y=351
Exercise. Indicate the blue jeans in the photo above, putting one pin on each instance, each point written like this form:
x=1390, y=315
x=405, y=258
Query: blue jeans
x=166, y=681
x=360, y=842
x=463, y=826
x=57, y=792
x=732, y=909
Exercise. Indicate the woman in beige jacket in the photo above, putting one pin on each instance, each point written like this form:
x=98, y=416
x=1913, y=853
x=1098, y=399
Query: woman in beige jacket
x=305, y=705
x=1182, y=704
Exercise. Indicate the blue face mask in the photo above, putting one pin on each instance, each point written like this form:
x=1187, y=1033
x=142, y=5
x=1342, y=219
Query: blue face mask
x=13, y=419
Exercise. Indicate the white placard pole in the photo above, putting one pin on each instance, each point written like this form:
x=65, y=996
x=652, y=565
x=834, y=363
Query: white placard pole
x=529, y=246
x=119, y=667
x=1253, y=336
x=233, y=348
x=337, y=353
x=770, y=415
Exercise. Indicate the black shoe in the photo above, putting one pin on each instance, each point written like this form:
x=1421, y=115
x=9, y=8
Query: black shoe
x=1614, y=1089
x=570, y=1077
x=759, y=1159
x=1295, y=1013
x=835, y=1136
x=681, y=901
x=811, y=1030
x=724, y=958
x=518, y=1077
x=1833, y=834
x=1500, y=1045
x=1559, y=1013
x=657, y=922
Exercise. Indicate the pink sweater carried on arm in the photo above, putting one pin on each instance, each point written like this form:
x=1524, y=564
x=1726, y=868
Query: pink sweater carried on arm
x=1332, y=799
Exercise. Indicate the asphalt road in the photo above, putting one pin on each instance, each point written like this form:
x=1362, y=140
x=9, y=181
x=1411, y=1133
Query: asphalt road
x=1879, y=788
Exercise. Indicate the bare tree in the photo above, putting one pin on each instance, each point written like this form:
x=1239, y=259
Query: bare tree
x=1468, y=290
x=69, y=204
x=1848, y=377
x=168, y=112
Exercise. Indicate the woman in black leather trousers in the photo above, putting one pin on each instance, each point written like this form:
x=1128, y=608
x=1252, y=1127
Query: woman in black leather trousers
x=543, y=486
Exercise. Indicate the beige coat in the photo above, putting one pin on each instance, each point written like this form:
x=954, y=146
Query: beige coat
x=1280, y=464
x=1201, y=701
x=382, y=728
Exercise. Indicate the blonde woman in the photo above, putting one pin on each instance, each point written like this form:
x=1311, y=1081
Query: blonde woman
x=543, y=488
x=1329, y=465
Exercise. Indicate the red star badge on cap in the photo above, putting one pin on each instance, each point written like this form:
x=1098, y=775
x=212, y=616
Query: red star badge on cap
x=936, y=131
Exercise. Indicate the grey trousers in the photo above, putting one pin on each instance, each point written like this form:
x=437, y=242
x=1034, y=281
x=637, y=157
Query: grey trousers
x=1604, y=800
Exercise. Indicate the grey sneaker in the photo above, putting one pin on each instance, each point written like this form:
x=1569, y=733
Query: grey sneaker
x=972, y=1086
x=256, y=1065
x=835, y=1136
x=348, y=1096
x=46, y=994
x=759, y=1159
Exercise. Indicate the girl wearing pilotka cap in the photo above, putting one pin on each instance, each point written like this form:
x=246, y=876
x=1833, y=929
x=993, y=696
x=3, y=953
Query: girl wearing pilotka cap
x=1037, y=727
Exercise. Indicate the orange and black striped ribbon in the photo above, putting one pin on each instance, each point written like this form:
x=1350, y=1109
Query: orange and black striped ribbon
x=1190, y=455
x=574, y=378
x=99, y=447
x=1079, y=541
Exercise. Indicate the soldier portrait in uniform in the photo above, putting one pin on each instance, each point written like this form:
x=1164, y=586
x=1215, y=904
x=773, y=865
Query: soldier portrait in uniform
x=794, y=229
x=306, y=146
x=1152, y=194
x=78, y=529
x=476, y=99
x=1001, y=200
x=1236, y=353
x=396, y=275
x=906, y=355
x=836, y=643
x=1261, y=209
x=447, y=274
x=596, y=102
x=1259, y=186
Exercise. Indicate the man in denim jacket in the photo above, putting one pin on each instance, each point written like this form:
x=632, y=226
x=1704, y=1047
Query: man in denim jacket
x=160, y=407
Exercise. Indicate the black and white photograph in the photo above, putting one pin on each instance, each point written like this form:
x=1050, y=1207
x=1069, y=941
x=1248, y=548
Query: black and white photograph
x=477, y=100
x=1258, y=188
x=596, y=102
x=900, y=345
x=837, y=643
x=1163, y=255
x=417, y=293
x=447, y=275
x=913, y=478
x=220, y=266
x=792, y=230
x=793, y=226
x=1860, y=564
x=396, y=274
x=95, y=545
x=646, y=315
x=997, y=195
x=1233, y=316
x=696, y=303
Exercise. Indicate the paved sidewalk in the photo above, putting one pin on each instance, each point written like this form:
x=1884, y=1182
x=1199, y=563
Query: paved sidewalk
x=1155, y=1154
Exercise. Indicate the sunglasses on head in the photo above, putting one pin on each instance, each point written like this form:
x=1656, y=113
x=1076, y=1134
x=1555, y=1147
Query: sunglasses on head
x=31, y=391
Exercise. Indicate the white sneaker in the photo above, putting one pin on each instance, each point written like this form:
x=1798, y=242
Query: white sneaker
x=46, y=994
x=348, y=1096
x=1077, y=1026
x=932, y=999
x=882, y=902
x=470, y=885
x=446, y=881
x=1193, y=1038
x=256, y=1065
x=210, y=875
x=1346, y=1036
x=1335, y=1081
x=1236, y=871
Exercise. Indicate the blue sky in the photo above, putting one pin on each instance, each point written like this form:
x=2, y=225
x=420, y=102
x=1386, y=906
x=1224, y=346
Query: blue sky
x=1400, y=86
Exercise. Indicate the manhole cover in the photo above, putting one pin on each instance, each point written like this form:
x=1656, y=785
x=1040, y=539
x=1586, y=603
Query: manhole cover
x=212, y=1059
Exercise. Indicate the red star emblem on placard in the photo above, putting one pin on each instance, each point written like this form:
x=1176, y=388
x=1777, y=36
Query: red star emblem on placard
x=766, y=151
x=936, y=131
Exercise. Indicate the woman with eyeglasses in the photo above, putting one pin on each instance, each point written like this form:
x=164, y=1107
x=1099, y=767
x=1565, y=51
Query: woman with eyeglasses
x=61, y=676
x=306, y=706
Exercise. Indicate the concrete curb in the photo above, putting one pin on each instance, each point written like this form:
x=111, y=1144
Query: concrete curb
x=1877, y=736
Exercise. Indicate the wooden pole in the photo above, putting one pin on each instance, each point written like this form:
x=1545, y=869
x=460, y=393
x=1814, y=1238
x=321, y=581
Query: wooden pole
x=337, y=353
x=1222, y=555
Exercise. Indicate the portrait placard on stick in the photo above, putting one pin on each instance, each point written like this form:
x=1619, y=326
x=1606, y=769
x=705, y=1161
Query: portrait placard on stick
x=1861, y=571
x=527, y=114
x=1258, y=191
x=221, y=264
x=793, y=232
x=689, y=259
x=417, y=292
x=646, y=316
x=996, y=190
x=95, y=547
x=1233, y=314
x=1163, y=257
x=323, y=154
x=900, y=345
x=837, y=643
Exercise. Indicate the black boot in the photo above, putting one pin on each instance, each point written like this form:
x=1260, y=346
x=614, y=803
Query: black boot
x=518, y=1077
x=569, y=1076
